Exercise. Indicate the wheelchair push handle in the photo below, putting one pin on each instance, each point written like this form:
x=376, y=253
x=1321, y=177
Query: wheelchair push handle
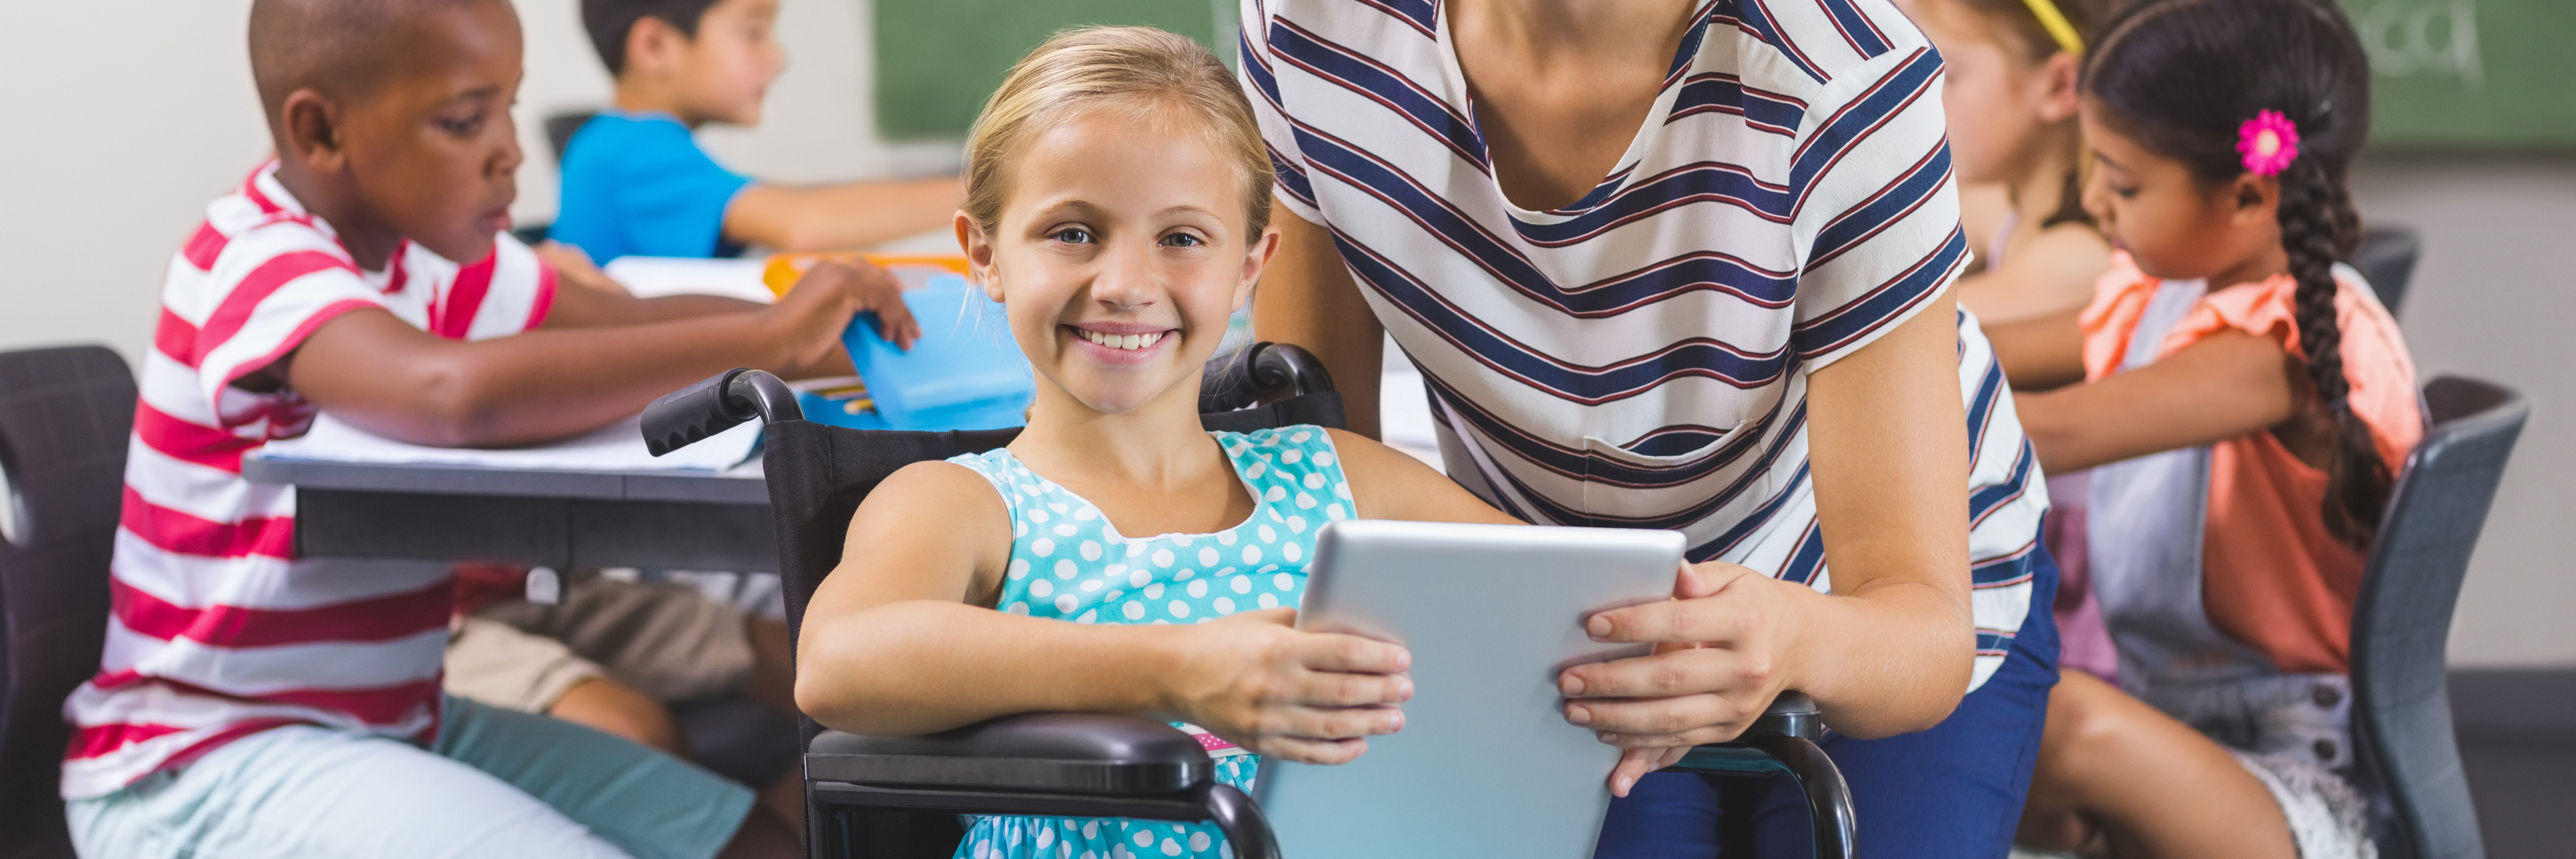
x=715, y=404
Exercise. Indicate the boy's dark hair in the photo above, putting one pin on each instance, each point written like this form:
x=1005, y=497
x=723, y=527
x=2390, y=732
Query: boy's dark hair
x=333, y=45
x=2180, y=77
x=609, y=22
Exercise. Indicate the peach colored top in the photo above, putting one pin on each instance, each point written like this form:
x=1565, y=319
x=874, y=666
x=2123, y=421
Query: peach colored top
x=2272, y=578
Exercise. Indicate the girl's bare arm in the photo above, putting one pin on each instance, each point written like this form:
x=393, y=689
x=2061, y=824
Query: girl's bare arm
x=2227, y=385
x=1389, y=484
x=898, y=640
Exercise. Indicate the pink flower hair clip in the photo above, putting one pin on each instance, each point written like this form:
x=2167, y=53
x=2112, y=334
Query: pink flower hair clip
x=2269, y=143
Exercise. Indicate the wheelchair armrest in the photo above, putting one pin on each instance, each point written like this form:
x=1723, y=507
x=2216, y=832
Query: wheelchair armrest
x=1792, y=714
x=1081, y=753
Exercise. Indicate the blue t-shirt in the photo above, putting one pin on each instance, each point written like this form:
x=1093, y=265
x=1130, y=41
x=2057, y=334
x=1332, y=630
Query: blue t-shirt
x=636, y=184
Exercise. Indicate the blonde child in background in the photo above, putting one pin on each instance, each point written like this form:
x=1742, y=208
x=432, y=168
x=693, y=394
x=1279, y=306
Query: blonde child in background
x=2010, y=96
x=2240, y=392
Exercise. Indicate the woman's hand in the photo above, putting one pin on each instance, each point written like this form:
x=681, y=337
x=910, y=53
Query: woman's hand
x=1723, y=645
x=1256, y=680
x=810, y=318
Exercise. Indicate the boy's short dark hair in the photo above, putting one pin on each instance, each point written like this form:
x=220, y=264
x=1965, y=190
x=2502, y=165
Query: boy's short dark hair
x=337, y=47
x=609, y=22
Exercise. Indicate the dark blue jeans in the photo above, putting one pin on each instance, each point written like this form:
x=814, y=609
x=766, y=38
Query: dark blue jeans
x=1952, y=792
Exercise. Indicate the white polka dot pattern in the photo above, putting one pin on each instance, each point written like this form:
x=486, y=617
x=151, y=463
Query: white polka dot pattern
x=1099, y=576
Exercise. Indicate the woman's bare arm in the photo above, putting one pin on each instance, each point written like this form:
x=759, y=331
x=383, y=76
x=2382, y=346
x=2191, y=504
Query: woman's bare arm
x=1307, y=298
x=1390, y=484
x=1891, y=650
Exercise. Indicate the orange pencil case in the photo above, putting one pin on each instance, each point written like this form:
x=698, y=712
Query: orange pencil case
x=784, y=269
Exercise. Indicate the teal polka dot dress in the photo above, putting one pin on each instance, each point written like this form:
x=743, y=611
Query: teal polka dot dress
x=1067, y=563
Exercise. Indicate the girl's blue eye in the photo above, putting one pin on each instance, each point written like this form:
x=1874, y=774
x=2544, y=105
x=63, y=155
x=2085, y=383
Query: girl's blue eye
x=1072, y=236
x=1183, y=240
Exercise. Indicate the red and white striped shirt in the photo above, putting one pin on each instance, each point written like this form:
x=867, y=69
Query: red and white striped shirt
x=217, y=631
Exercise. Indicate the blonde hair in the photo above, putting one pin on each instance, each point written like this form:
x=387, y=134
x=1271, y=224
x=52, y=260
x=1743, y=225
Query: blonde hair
x=1142, y=72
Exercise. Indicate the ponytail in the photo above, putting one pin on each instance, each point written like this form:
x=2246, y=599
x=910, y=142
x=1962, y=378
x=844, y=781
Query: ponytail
x=2314, y=214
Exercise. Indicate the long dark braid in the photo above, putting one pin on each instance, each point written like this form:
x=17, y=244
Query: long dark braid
x=2180, y=77
x=2357, y=481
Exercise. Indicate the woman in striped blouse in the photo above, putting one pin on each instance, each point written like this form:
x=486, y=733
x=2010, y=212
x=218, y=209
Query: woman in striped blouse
x=1685, y=264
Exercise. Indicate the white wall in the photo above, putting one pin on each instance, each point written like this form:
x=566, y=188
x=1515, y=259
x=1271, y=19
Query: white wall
x=2495, y=297
x=124, y=117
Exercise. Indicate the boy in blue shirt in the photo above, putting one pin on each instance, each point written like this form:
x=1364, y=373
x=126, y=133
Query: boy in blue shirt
x=635, y=181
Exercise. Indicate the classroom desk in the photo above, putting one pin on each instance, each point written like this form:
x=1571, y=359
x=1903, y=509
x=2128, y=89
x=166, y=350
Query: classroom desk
x=685, y=520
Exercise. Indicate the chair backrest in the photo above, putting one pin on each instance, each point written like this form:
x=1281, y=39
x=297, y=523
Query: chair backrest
x=819, y=473
x=2387, y=258
x=561, y=127
x=2401, y=710
x=64, y=417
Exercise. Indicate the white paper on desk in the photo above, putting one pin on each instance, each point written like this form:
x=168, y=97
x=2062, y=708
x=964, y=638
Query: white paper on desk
x=648, y=277
x=616, y=447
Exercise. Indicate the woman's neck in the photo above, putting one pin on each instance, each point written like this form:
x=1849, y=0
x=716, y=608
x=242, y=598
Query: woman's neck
x=1549, y=29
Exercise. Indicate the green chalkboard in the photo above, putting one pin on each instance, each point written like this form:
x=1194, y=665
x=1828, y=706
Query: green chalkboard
x=2470, y=74
x=2447, y=74
x=937, y=60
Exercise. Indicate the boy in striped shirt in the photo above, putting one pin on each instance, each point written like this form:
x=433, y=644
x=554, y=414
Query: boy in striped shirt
x=253, y=703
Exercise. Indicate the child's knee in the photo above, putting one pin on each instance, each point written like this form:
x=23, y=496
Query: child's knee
x=606, y=705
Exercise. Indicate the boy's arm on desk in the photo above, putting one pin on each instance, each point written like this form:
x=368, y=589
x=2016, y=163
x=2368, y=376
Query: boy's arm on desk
x=380, y=374
x=839, y=217
x=586, y=297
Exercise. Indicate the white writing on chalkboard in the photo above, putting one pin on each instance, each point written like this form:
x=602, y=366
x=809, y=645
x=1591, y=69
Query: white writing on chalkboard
x=2436, y=37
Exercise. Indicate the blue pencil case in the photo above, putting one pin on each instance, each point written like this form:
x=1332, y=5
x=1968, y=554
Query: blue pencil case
x=965, y=373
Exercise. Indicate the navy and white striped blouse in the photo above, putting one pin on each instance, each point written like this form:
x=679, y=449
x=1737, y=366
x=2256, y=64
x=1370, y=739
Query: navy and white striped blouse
x=1640, y=358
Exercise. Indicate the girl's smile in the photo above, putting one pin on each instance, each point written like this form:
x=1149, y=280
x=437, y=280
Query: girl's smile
x=1120, y=342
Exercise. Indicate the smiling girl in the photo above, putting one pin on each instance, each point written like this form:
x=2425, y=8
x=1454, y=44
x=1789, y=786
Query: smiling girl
x=1117, y=556
x=2242, y=394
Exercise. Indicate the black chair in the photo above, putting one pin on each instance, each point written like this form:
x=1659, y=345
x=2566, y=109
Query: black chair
x=2386, y=258
x=560, y=128
x=64, y=417
x=899, y=796
x=2401, y=716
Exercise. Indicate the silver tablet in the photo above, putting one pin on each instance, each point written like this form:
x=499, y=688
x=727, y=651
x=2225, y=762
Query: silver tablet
x=1486, y=764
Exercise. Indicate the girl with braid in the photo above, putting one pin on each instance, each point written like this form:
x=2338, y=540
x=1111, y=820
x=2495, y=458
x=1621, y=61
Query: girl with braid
x=2244, y=403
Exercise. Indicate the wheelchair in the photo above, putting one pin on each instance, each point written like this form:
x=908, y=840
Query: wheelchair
x=878, y=796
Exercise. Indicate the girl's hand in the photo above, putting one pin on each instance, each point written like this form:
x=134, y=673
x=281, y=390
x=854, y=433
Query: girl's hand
x=1721, y=650
x=1303, y=696
x=812, y=315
